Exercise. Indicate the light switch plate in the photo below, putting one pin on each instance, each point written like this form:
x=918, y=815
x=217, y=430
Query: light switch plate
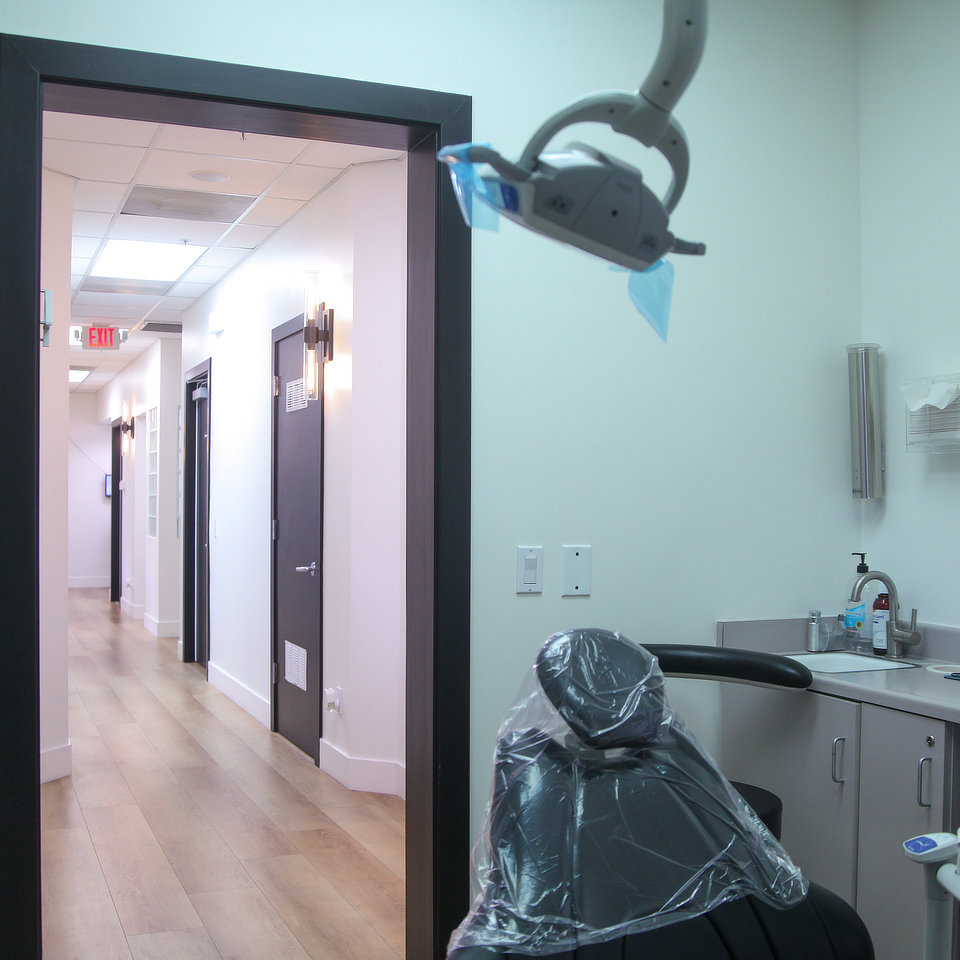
x=529, y=569
x=575, y=577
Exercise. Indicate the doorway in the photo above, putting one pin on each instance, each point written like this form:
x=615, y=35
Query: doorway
x=195, y=531
x=76, y=78
x=297, y=615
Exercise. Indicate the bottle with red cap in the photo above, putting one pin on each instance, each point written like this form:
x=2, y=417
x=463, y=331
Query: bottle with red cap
x=881, y=620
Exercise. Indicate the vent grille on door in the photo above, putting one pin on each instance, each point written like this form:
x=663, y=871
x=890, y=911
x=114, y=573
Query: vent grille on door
x=296, y=395
x=295, y=664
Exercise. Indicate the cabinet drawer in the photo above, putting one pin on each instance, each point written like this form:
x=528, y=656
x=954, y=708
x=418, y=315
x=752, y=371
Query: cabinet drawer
x=805, y=748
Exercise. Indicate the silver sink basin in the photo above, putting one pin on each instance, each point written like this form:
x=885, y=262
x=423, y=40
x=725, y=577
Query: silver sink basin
x=846, y=662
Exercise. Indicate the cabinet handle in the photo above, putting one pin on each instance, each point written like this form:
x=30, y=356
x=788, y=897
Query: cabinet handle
x=920, y=802
x=833, y=760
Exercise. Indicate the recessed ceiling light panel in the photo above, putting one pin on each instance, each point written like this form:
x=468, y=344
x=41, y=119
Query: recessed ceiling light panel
x=78, y=374
x=145, y=260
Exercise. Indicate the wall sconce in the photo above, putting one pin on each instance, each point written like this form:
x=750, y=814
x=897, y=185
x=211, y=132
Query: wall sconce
x=126, y=434
x=317, y=330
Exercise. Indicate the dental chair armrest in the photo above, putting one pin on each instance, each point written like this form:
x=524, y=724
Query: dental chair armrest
x=730, y=663
x=477, y=953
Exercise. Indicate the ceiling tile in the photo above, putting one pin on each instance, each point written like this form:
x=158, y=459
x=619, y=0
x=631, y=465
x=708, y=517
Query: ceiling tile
x=92, y=161
x=191, y=290
x=202, y=205
x=90, y=224
x=85, y=247
x=162, y=229
x=98, y=197
x=229, y=143
x=301, y=182
x=81, y=311
x=222, y=257
x=176, y=304
x=165, y=168
x=270, y=212
x=323, y=154
x=204, y=274
x=134, y=300
x=79, y=265
x=246, y=236
x=71, y=126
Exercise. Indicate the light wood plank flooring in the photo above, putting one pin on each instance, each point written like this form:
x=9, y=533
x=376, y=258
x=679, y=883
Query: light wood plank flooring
x=188, y=831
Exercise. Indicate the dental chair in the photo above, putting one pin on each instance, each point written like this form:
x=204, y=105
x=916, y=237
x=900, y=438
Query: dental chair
x=611, y=835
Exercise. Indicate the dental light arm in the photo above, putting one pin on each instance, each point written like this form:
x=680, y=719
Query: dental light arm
x=645, y=116
x=586, y=198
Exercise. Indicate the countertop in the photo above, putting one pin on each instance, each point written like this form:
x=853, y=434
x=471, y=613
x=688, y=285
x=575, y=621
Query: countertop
x=914, y=689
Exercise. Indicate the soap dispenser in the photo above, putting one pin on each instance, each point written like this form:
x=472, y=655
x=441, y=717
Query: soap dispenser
x=858, y=627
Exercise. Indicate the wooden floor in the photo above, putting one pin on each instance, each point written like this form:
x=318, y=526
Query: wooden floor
x=188, y=831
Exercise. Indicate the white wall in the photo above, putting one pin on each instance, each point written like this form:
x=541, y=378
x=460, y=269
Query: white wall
x=368, y=451
x=88, y=538
x=55, y=753
x=150, y=587
x=910, y=149
x=354, y=234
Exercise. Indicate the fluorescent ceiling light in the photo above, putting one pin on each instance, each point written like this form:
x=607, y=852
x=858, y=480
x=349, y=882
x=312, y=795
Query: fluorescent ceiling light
x=78, y=376
x=145, y=260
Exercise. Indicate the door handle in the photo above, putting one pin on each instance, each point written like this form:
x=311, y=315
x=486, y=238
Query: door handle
x=834, y=758
x=920, y=801
x=312, y=569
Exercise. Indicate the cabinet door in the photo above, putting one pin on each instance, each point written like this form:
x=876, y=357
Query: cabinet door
x=897, y=781
x=804, y=747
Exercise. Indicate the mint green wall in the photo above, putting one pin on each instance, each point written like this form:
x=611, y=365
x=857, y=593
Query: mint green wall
x=910, y=152
x=710, y=475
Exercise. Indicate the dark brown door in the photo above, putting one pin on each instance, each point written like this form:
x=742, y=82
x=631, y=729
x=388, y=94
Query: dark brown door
x=116, y=494
x=195, y=529
x=297, y=559
x=201, y=503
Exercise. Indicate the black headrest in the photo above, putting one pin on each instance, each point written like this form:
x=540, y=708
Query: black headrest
x=608, y=689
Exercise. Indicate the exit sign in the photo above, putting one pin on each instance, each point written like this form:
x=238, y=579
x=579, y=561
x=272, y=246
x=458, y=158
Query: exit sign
x=101, y=338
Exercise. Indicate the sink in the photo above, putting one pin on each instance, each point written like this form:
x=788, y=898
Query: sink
x=846, y=662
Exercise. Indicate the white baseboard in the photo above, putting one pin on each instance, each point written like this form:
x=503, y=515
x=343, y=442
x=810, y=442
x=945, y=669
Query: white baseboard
x=180, y=649
x=133, y=610
x=82, y=583
x=239, y=693
x=56, y=762
x=356, y=773
x=161, y=628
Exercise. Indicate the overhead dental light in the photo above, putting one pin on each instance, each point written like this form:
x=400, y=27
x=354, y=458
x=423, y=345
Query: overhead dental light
x=582, y=196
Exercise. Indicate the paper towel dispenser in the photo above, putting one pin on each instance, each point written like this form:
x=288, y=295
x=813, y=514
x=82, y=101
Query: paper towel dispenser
x=933, y=413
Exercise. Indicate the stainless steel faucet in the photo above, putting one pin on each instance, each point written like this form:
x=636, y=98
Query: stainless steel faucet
x=897, y=636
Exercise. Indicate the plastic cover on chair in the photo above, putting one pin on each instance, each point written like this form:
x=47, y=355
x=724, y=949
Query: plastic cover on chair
x=607, y=817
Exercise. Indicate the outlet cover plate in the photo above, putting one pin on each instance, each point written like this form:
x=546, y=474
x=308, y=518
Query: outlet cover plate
x=575, y=576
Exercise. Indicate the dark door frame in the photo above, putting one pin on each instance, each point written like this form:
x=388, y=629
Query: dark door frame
x=116, y=511
x=192, y=378
x=94, y=80
x=281, y=332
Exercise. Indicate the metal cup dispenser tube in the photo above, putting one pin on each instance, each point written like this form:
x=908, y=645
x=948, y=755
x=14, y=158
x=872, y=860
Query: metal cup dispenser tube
x=866, y=437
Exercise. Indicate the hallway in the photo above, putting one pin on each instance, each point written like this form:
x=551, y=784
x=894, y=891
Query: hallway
x=188, y=831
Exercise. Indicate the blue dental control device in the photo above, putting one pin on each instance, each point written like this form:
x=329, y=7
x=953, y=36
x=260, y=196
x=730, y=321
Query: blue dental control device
x=931, y=847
